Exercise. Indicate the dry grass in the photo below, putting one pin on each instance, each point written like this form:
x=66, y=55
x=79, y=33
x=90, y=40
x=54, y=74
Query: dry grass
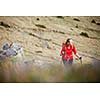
x=19, y=72
x=54, y=30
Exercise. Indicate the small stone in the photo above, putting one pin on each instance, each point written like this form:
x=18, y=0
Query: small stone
x=76, y=26
x=93, y=21
x=38, y=19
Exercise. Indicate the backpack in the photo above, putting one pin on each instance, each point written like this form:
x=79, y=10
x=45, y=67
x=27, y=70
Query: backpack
x=64, y=43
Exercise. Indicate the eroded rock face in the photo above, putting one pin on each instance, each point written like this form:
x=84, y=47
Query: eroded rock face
x=11, y=50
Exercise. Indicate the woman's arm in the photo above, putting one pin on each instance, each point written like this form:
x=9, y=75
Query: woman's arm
x=62, y=51
x=78, y=56
x=75, y=52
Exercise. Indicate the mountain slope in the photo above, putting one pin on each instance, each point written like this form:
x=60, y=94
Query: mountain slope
x=41, y=37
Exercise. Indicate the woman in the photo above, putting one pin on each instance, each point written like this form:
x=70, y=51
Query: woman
x=67, y=52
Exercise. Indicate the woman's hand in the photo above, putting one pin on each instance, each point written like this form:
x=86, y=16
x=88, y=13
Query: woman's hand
x=78, y=56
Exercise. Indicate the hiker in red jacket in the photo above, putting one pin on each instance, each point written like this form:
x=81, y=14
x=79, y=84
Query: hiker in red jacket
x=67, y=52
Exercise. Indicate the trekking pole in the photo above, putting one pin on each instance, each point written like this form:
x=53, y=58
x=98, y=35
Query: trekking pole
x=61, y=62
x=80, y=60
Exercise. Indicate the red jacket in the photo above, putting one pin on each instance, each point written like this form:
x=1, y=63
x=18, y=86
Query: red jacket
x=67, y=53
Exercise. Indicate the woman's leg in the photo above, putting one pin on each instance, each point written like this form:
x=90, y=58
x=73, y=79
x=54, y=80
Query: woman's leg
x=67, y=65
x=70, y=61
x=67, y=62
x=64, y=62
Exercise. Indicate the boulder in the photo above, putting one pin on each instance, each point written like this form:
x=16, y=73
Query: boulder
x=12, y=50
x=6, y=46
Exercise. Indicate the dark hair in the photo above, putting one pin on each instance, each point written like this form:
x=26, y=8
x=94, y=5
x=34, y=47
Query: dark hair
x=68, y=40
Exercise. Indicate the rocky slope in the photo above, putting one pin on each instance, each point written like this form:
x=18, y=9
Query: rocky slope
x=41, y=38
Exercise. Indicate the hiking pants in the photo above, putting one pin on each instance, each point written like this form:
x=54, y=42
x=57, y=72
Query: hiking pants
x=67, y=62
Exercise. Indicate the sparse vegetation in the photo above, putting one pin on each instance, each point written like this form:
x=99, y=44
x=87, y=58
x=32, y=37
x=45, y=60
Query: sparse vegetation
x=93, y=21
x=98, y=23
x=38, y=19
x=76, y=19
x=4, y=25
x=38, y=51
x=76, y=26
x=84, y=34
x=55, y=73
x=41, y=26
x=61, y=17
x=31, y=34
